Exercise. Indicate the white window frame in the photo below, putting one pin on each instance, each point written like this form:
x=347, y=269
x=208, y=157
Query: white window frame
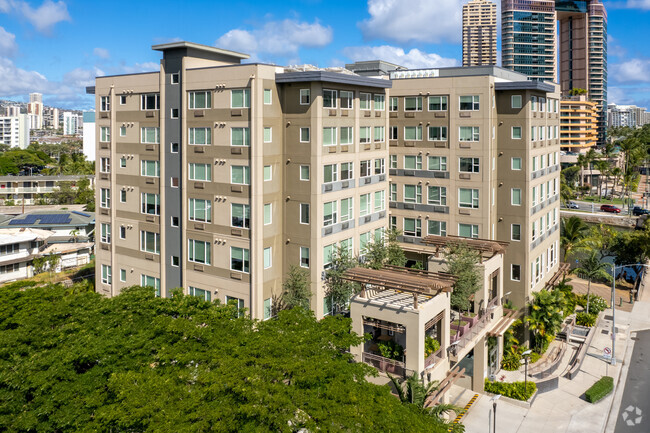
x=305, y=97
x=334, y=97
x=191, y=100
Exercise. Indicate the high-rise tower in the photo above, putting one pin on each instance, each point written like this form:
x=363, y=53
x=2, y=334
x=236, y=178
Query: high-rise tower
x=479, y=33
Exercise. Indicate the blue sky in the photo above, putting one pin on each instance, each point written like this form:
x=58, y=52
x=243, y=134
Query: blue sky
x=58, y=47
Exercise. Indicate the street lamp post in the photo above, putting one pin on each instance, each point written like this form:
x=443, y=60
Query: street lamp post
x=525, y=355
x=494, y=412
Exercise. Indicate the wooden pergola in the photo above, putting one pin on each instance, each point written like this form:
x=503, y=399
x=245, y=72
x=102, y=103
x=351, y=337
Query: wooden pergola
x=559, y=275
x=484, y=246
x=400, y=279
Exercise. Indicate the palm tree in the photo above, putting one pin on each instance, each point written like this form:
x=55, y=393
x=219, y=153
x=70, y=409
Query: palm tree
x=572, y=234
x=602, y=166
x=546, y=315
x=583, y=163
x=617, y=173
x=592, y=268
x=75, y=234
x=590, y=157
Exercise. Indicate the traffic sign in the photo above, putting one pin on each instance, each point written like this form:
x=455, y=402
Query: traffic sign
x=607, y=351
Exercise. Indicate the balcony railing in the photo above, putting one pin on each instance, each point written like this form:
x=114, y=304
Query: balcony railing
x=385, y=364
x=477, y=328
x=434, y=358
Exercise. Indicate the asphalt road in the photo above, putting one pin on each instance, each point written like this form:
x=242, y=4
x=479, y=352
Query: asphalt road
x=593, y=207
x=634, y=414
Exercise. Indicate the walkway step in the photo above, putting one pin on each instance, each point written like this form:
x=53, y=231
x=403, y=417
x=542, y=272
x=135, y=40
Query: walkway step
x=465, y=410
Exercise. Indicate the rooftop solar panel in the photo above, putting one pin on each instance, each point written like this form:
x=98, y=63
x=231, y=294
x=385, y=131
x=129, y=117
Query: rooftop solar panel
x=81, y=213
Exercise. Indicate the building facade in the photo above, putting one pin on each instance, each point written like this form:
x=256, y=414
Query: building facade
x=626, y=115
x=217, y=176
x=14, y=130
x=72, y=123
x=479, y=33
x=35, y=110
x=89, y=142
x=30, y=190
x=578, y=124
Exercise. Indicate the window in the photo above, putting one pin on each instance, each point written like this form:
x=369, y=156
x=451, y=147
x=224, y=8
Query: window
x=413, y=162
x=364, y=240
x=122, y=162
x=393, y=161
x=175, y=221
x=123, y=196
x=199, y=293
x=346, y=135
x=174, y=113
x=532, y=133
x=175, y=78
x=380, y=201
x=347, y=209
x=516, y=133
x=413, y=133
x=105, y=165
x=105, y=134
x=437, y=228
x=515, y=272
x=122, y=131
x=268, y=97
x=380, y=102
x=468, y=165
x=105, y=198
x=239, y=259
x=468, y=198
x=329, y=98
x=393, y=104
x=176, y=261
x=199, y=251
x=364, y=204
x=106, y=274
x=106, y=233
x=240, y=98
x=347, y=170
x=437, y=195
x=468, y=133
x=392, y=133
x=304, y=172
x=200, y=172
x=364, y=101
x=542, y=104
x=328, y=252
x=174, y=147
x=380, y=166
x=149, y=242
x=379, y=134
x=413, y=103
x=437, y=133
x=153, y=282
x=412, y=193
x=240, y=175
x=468, y=230
x=412, y=227
x=346, y=100
x=304, y=135
x=268, y=213
x=200, y=136
x=534, y=163
x=329, y=136
x=330, y=173
x=329, y=213
x=437, y=103
x=515, y=196
x=365, y=168
x=393, y=222
x=364, y=134
x=515, y=163
x=122, y=99
x=242, y=136
x=150, y=101
x=515, y=101
x=304, y=257
x=304, y=213
x=105, y=103
x=470, y=103
x=174, y=182
x=240, y=215
x=268, y=135
x=150, y=168
x=305, y=97
x=268, y=259
x=122, y=232
x=122, y=275
x=533, y=103
x=438, y=163
x=150, y=135
x=150, y=203
x=346, y=246
x=200, y=210
x=268, y=173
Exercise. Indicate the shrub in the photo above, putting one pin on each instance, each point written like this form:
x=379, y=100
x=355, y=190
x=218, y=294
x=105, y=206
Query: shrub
x=534, y=357
x=391, y=350
x=584, y=319
x=596, y=303
x=600, y=389
x=431, y=345
x=516, y=390
x=511, y=360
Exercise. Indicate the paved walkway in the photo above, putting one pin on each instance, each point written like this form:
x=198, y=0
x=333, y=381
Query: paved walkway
x=605, y=291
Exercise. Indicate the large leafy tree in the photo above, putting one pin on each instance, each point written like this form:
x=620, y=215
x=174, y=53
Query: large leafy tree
x=385, y=252
x=337, y=290
x=462, y=262
x=592, y=268
x=546, y=316
x=81, y=362
x=296, y=290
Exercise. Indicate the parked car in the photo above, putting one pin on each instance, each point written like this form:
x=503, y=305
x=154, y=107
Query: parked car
x=610, y=208
x=572, y=205
x=640, y=211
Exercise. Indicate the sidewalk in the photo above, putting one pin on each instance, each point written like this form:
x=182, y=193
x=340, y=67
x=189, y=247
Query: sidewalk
x=565, y=409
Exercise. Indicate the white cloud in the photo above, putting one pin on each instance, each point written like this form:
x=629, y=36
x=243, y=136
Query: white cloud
x=414, y=20
x=43, y=18
x=633, y=70
x=630, y=4
x=139, y=67
x=16, y=81
x=102, y=53
x=8, y=46
x=411, y=59
x=283, y=38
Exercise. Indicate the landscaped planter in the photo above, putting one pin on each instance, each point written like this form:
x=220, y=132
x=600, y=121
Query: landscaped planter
x=454, y=335
x=462, y=328
x=472, y=318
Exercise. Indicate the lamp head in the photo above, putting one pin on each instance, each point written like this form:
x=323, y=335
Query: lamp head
x=528, y=352
x=495, y=398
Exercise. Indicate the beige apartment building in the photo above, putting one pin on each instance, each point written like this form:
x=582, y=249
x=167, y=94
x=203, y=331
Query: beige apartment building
x=479, y=33
x=578, y=124
x=217, y=176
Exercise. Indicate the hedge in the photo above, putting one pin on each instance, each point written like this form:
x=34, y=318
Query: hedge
x=600, y=389
x=514, y=390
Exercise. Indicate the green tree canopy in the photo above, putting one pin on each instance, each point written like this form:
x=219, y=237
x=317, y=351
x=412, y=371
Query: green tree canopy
x=462, y=262
x=81, y=362
x=296, y=289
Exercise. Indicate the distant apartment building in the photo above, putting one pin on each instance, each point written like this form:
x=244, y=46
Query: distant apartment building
x=89, y=142
x=65, y=226
x=35, y=110
x=18, y=248
x=578, y=124
x=626, y=115
x=217, y=176
x=12, y=110
x=72, y=123
x=14, y=130
x=479, y=33
x=30, y=190
x=51, y=118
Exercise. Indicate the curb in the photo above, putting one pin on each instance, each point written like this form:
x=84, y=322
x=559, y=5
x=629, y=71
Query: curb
x=465, y=410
